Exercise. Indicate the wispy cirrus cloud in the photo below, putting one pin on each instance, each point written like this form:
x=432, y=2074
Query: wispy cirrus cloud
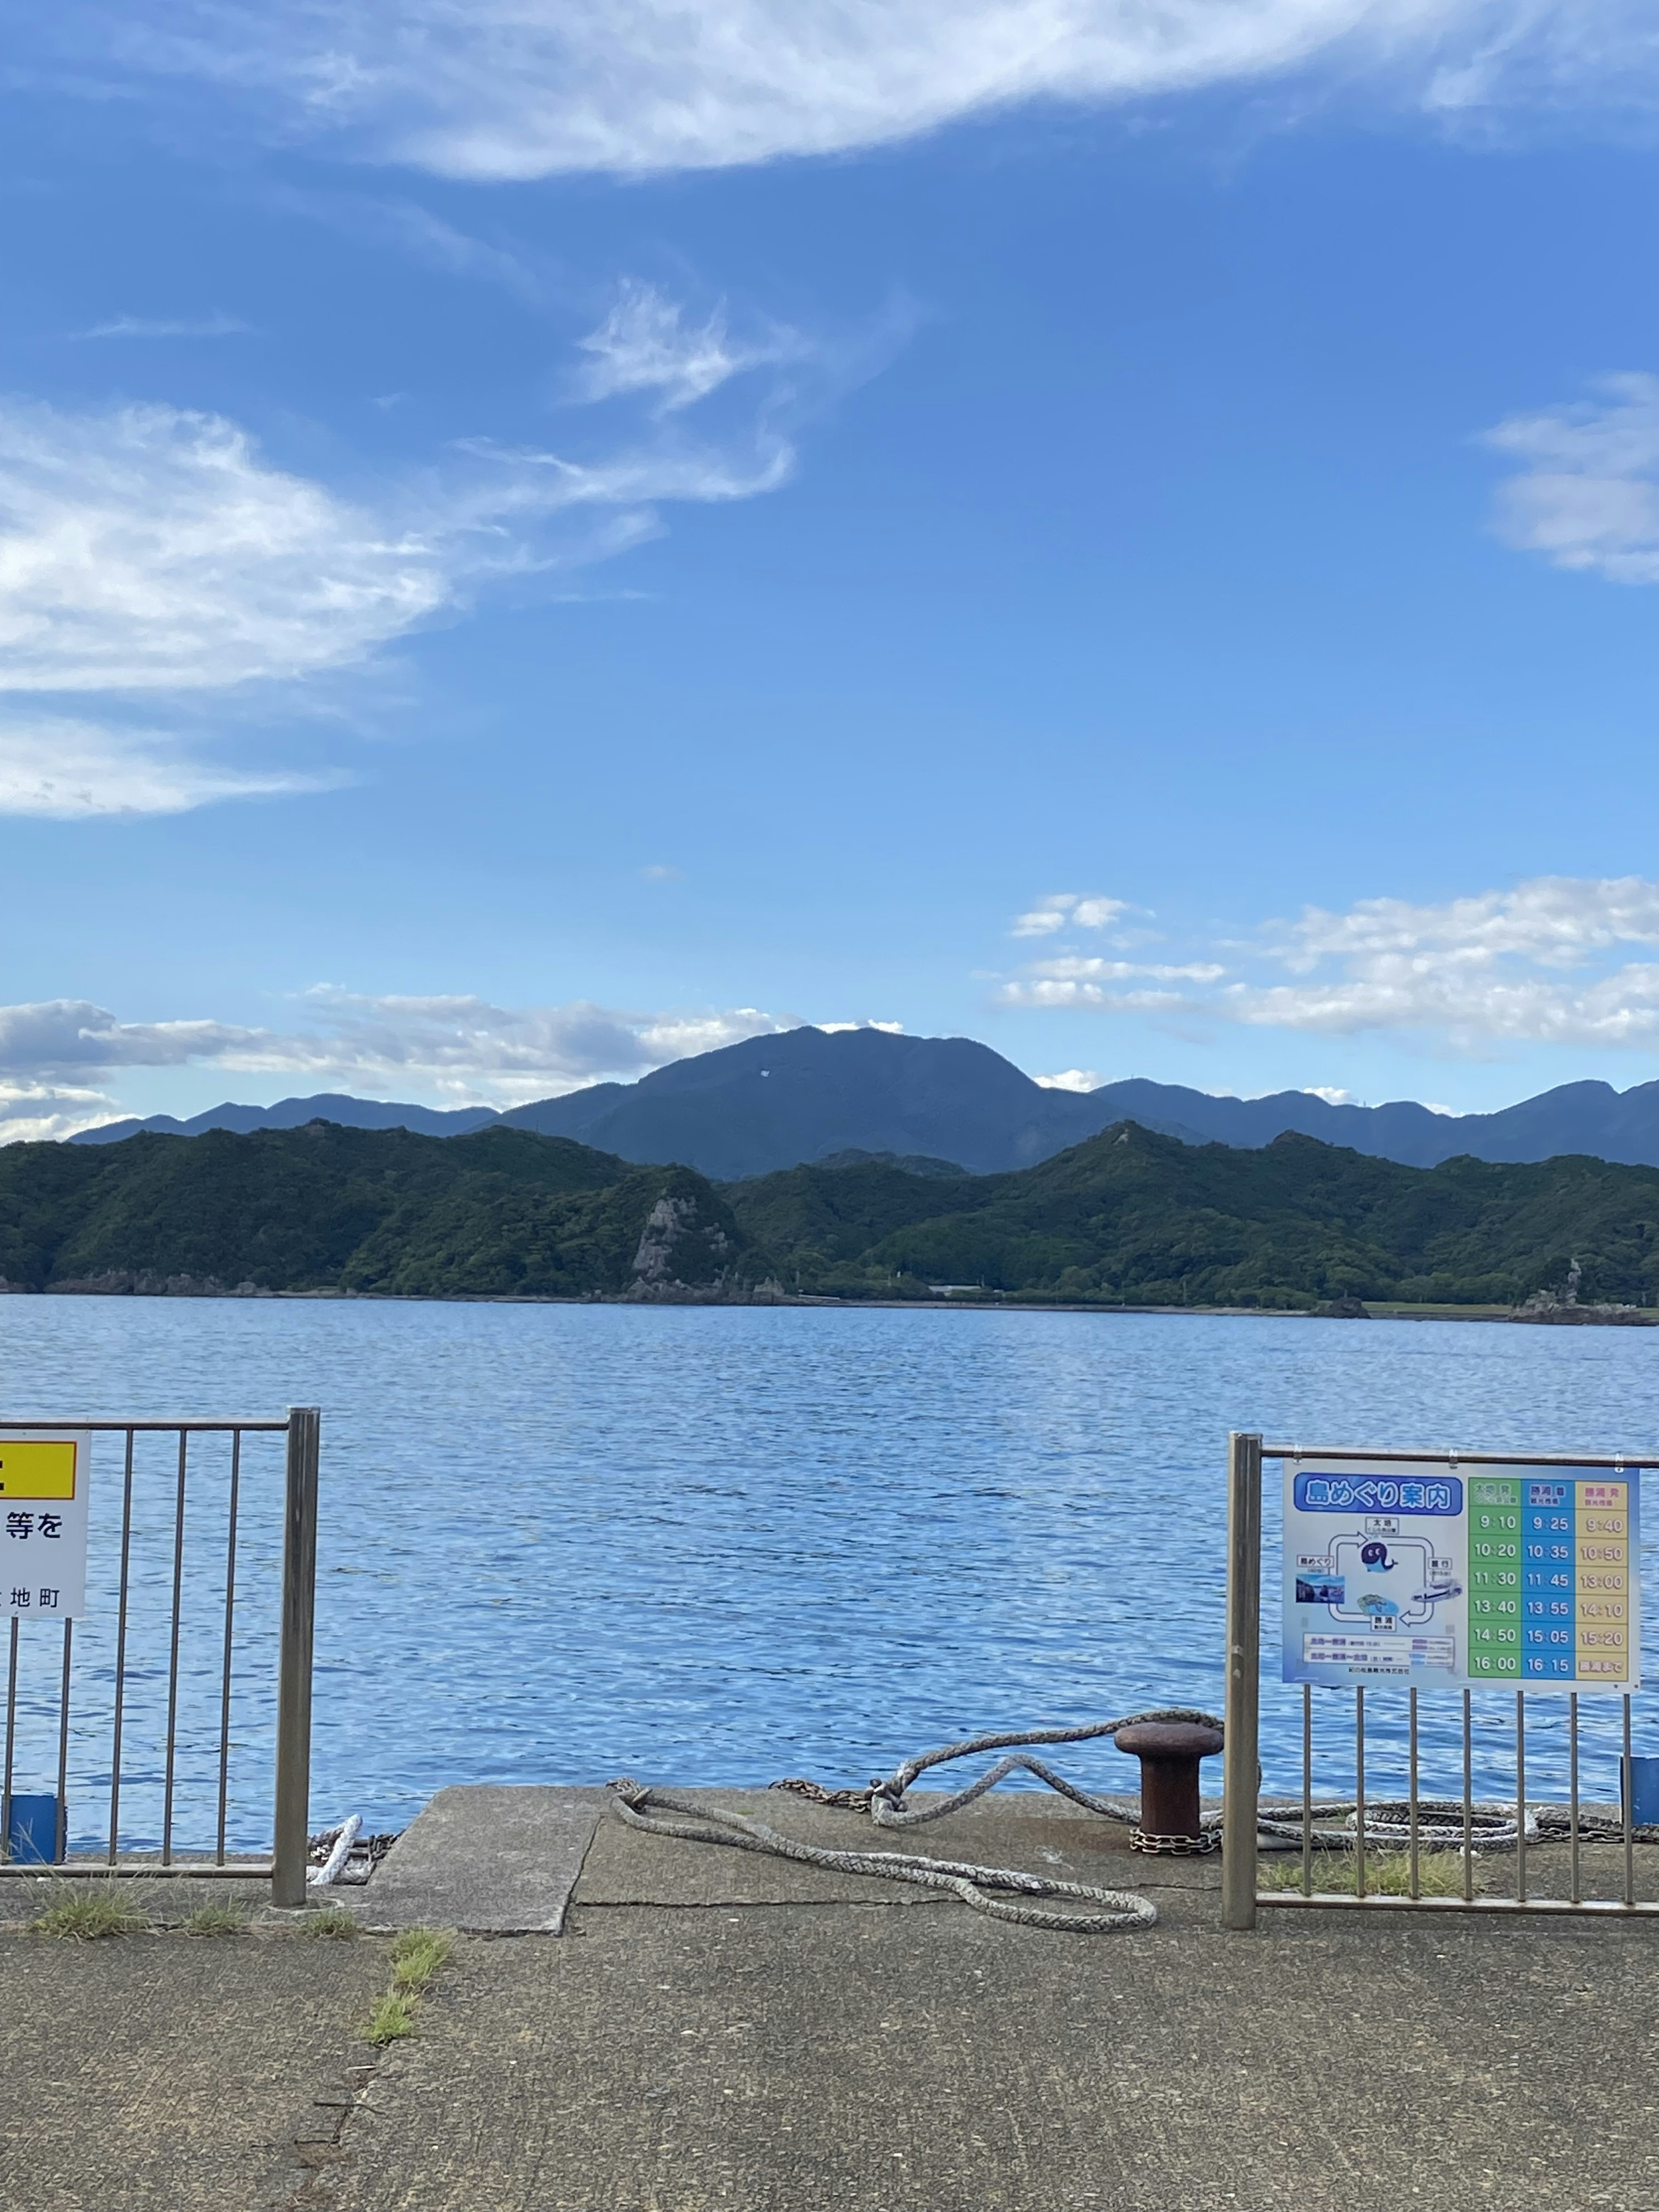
x=1544, y=963
x=150, y=549
x=1586, y=494
x=66, y=771
x=144, y=327
x=647, y=344
x=155, y=554
x=523, y=88
x=404, y=227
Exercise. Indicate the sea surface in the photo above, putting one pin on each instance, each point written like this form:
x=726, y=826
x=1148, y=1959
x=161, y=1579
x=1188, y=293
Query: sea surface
x=723, y=1544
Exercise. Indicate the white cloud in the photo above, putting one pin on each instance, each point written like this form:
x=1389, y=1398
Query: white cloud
x=645, y=343
x=150, y=549
x=503, y=89
x=59, y=1036
x=461, y=1049
x=1071, y=1078
x=1331, y=1095
x=1465, y=1009
x=409, y=228
x=67, y=770
x=1068, y=910
x=35, y=1112
x=1080, y=968
x=1554, y=920
x=1538, y=964
x=465, y=1048
x=156, y=552
x=141, y=327
x=1586, y=495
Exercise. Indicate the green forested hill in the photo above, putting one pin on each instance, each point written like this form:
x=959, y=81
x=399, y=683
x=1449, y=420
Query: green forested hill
x=500, y=1213
x=1134, y=1218
x=1127, y=1218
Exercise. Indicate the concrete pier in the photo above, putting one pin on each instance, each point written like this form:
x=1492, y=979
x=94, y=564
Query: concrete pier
x=714, y=2029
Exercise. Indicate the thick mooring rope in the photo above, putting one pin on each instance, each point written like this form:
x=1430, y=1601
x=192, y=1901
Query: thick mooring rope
x=1492, y=1825
x=703, y=1824
x=884, y=1803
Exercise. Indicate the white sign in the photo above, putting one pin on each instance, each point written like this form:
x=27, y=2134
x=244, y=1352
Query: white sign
x=1432, y=1573
x=43, y=1523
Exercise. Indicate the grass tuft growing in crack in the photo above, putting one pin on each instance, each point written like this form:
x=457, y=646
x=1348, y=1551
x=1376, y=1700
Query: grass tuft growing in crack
x=86, y=1915
x=216, y=1920
x=1387, y=1874
x=393, y=2018
x=334, y=1922
x=416, y=1956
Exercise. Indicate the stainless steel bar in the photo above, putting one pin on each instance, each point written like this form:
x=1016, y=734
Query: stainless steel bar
x=120, y=1659
x=60, y=1833
x=1520, y=1796
x=1572, y=1794
x=1468, y=1803
x=288, y=1882
x=144, y=1869
x=1630, y=1815
x=1438, y=1452
x=11, y=1745
x=1307, y=1790
x=172, y=1657
x=230, y=1613
x=1360, y=1790
x=1240, y=1768
x=1411, y=1723
x=224, y=1423
x=1591, y=1907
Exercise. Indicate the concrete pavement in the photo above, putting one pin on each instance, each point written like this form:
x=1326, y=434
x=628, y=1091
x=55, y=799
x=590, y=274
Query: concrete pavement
x=713, y=2030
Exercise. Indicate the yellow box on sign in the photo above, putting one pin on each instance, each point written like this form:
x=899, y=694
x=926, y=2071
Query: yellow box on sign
x=36, y=1470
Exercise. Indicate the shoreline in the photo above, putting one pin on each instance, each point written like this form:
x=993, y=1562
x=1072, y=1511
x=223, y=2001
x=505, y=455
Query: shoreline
x=1376, y=1310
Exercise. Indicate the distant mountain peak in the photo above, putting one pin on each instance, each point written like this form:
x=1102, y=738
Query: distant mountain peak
x=807, y=1094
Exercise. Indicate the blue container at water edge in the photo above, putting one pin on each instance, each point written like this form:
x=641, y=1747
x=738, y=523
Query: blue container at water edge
x=32, y=1832
x=1641, y=1790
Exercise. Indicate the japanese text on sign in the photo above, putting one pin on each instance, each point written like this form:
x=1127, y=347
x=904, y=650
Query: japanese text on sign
x=1416, y=1572
x=43, y=1524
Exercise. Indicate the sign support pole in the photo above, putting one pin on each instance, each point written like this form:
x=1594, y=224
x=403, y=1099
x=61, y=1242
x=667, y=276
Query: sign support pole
x=288, y=1882
x=1240, y=1771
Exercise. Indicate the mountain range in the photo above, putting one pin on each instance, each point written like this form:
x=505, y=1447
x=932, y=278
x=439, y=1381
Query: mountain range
x=808, y=1095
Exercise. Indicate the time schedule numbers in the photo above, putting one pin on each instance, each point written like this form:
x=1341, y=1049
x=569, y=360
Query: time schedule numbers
x=1550, y=1589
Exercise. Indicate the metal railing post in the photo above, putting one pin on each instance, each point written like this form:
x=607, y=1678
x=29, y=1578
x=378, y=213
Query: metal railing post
x=1240, y=1769
x=288, y=1882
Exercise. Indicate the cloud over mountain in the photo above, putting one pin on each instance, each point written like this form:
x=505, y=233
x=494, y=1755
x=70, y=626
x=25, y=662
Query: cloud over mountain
x=1535, y=965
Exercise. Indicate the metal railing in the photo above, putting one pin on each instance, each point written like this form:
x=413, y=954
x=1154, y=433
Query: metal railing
x=1464, y=1824
x=284, y=1865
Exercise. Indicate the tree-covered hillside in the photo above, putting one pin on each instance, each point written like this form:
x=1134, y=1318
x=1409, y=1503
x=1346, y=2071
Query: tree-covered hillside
x=1133, y=1217
x=323, y=1208
x=1129, y=1217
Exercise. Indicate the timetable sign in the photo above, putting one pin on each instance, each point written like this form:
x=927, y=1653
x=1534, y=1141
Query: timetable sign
x=1431, y=1573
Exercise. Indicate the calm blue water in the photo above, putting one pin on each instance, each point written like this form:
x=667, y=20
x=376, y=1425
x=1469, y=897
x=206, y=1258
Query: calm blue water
x=700, y=1546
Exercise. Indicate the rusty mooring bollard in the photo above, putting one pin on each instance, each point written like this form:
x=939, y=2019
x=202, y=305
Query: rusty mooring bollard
x=1168, y=1752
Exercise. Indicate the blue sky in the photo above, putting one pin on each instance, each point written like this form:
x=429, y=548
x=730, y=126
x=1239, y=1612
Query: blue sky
x=537, y=539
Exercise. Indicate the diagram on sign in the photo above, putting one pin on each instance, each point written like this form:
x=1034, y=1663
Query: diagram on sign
x=1378, y=1577
x=1409, y=1569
